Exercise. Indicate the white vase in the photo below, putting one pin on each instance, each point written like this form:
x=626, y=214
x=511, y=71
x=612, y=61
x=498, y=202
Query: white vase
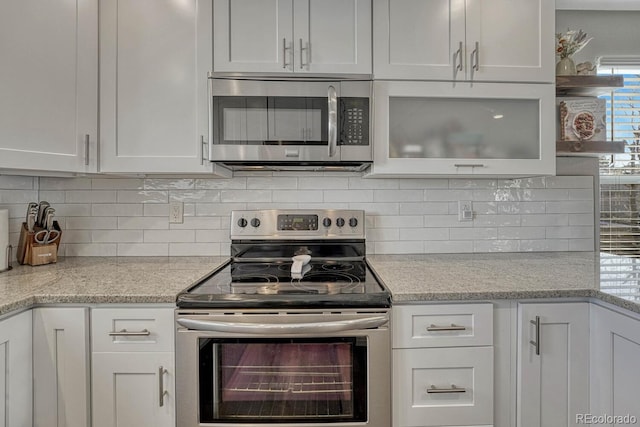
x=565, y=67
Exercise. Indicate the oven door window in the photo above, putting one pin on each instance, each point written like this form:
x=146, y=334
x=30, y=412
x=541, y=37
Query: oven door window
x=283, y=380
x=253, y=120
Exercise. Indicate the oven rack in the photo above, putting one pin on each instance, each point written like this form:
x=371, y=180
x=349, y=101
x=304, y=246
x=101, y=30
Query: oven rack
x=294, y=379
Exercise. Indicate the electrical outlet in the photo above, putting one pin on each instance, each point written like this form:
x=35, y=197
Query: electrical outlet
x=465, y=210
x=176, y=213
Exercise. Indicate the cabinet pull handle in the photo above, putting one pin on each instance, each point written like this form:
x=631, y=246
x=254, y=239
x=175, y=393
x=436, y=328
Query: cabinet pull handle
x=458, y=55
x=453, y=327
x=536, y=343
x=161, y=391
x=469, y=165
x=125, y=333
x=475, y=58
x=203, y=148
x=284, y=53
x=86, y=149
x=453, y=389
x=301, y=50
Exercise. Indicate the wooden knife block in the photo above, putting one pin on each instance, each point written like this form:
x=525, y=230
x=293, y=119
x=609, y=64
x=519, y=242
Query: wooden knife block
x=34, y=253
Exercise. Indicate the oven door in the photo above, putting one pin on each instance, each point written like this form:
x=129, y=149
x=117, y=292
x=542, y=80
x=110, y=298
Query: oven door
x=295, y=369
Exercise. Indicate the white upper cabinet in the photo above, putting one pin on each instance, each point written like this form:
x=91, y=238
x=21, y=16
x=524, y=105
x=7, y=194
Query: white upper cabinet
x=482, y=40
x=49, y=85
x=292, y=36
x=154, y=60
x=461, y=129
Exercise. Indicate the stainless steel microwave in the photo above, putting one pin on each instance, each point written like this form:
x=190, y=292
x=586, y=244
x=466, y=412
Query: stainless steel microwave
x=290, y=125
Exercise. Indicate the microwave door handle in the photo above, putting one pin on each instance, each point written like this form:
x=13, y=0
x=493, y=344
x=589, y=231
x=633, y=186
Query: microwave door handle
x=285, y=328
x=210, y=117
x=333, y=121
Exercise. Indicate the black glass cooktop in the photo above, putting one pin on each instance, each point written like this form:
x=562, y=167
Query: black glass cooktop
x=323, y=283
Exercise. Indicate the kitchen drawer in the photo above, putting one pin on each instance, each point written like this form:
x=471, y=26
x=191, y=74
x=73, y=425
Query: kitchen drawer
x=132, y=329
x=443, y=386
x=445, y=325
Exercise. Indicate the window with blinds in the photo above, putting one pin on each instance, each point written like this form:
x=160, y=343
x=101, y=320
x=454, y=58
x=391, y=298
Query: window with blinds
x=620, y=185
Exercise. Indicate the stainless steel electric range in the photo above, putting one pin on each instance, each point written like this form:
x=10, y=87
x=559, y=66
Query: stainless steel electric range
x=289, y=331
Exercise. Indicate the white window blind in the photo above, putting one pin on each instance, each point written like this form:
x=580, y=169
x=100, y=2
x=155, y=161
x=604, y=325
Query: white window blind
x=620, y=184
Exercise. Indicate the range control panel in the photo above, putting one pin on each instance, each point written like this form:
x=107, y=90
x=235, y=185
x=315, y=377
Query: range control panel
x=297, y=224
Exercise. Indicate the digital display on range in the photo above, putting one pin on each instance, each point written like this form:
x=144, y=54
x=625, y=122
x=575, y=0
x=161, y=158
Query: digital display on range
x=297, y=222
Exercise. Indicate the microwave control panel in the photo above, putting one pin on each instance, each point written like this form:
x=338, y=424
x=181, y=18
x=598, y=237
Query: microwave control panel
x=354, y=120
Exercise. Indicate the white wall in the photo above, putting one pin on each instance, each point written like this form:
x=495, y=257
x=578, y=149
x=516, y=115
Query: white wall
x=129, y=217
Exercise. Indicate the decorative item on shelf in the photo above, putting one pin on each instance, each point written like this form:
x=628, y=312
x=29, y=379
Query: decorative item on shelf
x=582, y=119
x=586, y=69
x=568, y=44
x=39, y=235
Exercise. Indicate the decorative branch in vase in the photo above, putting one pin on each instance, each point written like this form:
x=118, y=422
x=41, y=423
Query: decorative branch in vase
x=568, y=44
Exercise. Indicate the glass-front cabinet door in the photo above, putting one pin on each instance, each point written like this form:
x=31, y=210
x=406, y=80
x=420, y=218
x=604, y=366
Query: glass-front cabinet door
x=444, y=128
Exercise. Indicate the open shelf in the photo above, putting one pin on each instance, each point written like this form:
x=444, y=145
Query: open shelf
x=588, y=148
x=587, y=85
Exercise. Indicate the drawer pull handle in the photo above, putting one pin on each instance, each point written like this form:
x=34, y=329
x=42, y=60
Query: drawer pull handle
x=125, y=333
x=453, y=389
x=453, y=327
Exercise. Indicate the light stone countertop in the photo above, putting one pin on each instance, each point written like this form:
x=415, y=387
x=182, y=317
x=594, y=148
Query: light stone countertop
x=411, y=278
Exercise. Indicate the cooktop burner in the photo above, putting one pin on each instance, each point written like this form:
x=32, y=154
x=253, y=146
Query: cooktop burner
x=323, y=284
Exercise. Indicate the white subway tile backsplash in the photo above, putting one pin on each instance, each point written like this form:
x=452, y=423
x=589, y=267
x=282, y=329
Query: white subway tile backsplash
x=272, y=183
x=297, y=196
x=169, y=184
x=143, y=249
x=117, y=184
x=170, y=236
x=91, y=223
x=129, y=216
x=90, y=196
x=117, y=236
x=142, y=196
x=398, y=195
x=114, y=209
x=143, y=223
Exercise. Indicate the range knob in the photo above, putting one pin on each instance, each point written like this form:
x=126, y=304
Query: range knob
x=255, y=222
x=326, y=222
x=340, y=222
x=353, y=222
x=242, y=223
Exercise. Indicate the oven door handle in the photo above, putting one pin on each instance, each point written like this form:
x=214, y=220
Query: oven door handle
x=284, y=328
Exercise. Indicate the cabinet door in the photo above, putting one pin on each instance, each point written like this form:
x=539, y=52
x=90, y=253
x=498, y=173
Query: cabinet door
x=60, y=367
x=511, y=40
x=49, y=85
x=15, y=371
x=553, y=386
x=133, y=389
x=254, y=36
x=419, y=39
x=332, y=36
x=155, y=56
x=614, y=365
x=461, y=129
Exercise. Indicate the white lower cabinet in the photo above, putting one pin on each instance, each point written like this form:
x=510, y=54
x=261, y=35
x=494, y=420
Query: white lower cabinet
x=61, y=367
x=442, y=365
x=133, y=373
x=15, y=371
x=615, y=366
x=553, y=364
x=133, y=389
